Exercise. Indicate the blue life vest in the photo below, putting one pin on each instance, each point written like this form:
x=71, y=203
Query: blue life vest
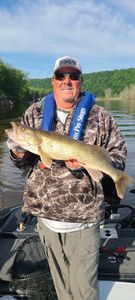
x=79, y=118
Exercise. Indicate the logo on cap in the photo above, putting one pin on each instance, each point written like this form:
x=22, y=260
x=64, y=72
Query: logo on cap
x=67, y=62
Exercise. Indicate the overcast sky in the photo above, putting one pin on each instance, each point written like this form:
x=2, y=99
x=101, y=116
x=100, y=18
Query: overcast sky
x=100, y=33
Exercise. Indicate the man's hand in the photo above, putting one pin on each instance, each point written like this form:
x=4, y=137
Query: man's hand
x=16, y=150
x=18, y=153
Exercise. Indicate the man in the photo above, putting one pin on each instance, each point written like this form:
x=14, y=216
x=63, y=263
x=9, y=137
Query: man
x=67, y=201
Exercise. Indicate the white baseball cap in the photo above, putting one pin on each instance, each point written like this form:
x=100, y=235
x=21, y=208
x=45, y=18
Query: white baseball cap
x=67, y=61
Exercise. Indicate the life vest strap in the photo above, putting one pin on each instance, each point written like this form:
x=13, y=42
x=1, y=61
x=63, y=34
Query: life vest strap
x=79, y=118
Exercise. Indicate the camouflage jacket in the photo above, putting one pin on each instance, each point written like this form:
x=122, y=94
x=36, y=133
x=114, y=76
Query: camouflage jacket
x=59, y=193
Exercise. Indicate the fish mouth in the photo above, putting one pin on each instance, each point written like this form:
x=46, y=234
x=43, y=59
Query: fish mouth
x=16, y=127
x=17, y=134
x=12, y=132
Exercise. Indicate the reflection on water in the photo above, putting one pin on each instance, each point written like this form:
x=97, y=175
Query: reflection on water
x=120, y=106
x=12, y=179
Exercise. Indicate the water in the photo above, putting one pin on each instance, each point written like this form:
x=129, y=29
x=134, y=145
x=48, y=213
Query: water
x=12, y=180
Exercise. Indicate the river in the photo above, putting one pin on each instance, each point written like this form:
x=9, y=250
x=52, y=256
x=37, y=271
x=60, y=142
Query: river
x=12, y=180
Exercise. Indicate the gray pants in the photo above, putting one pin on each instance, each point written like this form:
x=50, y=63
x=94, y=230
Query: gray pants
x=73, y=260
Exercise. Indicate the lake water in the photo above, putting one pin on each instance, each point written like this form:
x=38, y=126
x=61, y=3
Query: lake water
x=12, y=180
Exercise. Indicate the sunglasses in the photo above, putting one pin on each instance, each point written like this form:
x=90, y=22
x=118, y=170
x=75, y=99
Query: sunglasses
x=61, y=76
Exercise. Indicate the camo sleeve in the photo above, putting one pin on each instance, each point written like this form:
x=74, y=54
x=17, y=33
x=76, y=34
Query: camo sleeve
x=32, y=117
x=110, y=137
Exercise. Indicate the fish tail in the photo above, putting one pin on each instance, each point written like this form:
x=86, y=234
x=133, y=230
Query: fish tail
x=121, y=184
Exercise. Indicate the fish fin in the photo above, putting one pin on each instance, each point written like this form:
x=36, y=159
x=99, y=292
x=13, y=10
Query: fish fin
x=95, y=174
x=47, y=161
x=121, y=184
x=120, y=187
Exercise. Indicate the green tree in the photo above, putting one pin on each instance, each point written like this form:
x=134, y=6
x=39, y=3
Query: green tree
x=13, y=82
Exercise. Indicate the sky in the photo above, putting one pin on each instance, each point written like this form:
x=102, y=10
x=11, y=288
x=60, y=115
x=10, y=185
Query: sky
x=99, y=33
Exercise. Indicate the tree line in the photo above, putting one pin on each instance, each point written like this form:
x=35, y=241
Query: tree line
x=15, y=85
x=104, y=84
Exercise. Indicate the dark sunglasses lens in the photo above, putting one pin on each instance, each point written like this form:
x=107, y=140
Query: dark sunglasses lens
x=72, y=76
x=59, y=76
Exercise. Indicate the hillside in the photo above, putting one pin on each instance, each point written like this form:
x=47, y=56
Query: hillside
x=105, y=84
x=15, y=86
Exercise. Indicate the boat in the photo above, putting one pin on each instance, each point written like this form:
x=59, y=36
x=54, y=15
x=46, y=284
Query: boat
x=24, y=271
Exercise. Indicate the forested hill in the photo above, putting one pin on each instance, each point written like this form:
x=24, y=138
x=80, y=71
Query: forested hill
x=16, y=86
x=104, y=84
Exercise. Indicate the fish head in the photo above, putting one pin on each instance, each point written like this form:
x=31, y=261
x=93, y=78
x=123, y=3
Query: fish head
x=22, y=135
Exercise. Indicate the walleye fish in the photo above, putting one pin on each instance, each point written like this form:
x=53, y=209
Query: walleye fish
x=53, y=146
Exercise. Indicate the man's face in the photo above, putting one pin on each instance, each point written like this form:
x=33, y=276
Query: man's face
x=66, y=89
